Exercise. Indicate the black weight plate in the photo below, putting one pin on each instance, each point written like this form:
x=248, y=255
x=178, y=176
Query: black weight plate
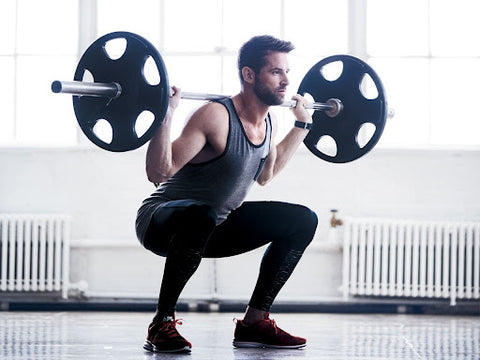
x=137, y=94
x=357, y=109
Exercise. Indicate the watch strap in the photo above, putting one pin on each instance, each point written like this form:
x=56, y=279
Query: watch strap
x=303, y=125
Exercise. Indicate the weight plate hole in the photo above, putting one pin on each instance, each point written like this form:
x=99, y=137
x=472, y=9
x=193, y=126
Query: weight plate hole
x=310, y=99
x=103, y=131
x=365, y=133
x=115, y=48
x=368, y=88
x=144, y=122
x=332, y=71
x=150, y=72
x=87, y=76
x=327, y=145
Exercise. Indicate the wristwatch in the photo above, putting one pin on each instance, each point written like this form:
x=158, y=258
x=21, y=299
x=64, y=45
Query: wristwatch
x=303, y=125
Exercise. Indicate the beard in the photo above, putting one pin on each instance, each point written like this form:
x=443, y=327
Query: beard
x=266, y=96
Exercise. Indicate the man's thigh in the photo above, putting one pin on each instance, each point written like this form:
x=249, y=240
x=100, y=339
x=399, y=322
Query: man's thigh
x=252, y=225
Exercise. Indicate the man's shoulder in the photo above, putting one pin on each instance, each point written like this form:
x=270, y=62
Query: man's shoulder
x=210, y=110
x=209, y=118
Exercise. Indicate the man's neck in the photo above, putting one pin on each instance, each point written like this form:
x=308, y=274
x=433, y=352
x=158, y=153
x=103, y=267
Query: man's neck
x=250, y=108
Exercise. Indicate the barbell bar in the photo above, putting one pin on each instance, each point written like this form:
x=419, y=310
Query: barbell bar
x=113, y=90
x=82, y=88
x=121, y=93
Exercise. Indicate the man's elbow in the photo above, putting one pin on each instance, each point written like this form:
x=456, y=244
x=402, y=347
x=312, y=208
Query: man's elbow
x=262, y=182
x=264, y=179
x=156, y=177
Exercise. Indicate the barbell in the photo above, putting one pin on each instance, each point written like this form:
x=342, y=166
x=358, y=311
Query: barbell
x=121, y=92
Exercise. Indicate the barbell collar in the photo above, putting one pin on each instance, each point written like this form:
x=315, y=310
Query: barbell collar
x=81, y=88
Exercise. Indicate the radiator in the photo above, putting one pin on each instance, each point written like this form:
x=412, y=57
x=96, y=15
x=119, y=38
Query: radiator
x=396, y=258
x=34, y=253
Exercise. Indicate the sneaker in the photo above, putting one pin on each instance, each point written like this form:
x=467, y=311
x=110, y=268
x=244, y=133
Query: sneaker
x=265, y=334
x=164, y=337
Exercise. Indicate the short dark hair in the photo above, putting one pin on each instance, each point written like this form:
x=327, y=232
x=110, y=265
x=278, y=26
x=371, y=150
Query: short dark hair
x=254, y=52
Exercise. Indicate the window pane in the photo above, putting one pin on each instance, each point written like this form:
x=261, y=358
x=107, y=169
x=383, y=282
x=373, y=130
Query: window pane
x=195, y=73
x=7, y=71
x=317, y=28
x=7, y=26
x=397, y=27
x=140, y=17
x=230, y=78
x=455, y=27
x=47, y=27
x=44, y=118
x=455, y=88
x=300, y=64
x=200, y=74
x=192, y=25
x=406, y=83
x=247, y=18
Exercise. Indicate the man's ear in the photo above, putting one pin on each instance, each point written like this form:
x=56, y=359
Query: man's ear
x=248, y=74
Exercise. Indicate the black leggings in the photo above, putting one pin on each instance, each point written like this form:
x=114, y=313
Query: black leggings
x=185, y=231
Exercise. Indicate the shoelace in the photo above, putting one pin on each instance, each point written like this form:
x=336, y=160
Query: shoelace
x=169, y=328
x=273, y=324
x=267, y=319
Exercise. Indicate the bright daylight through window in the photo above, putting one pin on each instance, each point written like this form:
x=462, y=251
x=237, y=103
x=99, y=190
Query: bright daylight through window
x=432, y=79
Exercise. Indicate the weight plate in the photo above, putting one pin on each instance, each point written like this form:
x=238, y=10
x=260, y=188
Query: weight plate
x=359, y=108
x=137, y=94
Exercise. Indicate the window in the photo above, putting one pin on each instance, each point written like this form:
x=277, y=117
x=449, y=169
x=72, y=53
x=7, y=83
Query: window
x=425, y=51
x=37, y=50
x=428, y=55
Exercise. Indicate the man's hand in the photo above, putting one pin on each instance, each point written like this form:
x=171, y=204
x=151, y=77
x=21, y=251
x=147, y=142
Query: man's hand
x=299, y=111
x=175, y=96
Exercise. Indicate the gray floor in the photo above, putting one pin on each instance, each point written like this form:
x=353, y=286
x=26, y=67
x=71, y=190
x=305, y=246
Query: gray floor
x=119, y=335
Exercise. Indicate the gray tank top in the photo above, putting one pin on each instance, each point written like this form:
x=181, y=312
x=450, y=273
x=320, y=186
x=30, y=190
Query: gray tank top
x=222, y=183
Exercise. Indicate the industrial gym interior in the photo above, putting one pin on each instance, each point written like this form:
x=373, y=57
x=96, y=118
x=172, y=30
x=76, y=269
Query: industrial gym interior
x=394, y=267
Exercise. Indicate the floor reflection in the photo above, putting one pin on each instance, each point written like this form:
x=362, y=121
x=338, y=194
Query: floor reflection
x=106, y=335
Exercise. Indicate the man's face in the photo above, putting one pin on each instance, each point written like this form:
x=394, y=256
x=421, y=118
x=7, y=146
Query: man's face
x=272, y=80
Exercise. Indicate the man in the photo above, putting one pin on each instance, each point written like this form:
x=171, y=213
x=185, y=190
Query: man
x=198, y=210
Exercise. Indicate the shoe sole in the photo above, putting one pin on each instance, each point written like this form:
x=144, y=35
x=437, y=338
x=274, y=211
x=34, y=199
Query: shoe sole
x=147, y=345
x=250, y=344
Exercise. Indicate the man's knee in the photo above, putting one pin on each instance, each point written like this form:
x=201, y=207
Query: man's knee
x=305, y=217
x=306, y=221
x=309, y=218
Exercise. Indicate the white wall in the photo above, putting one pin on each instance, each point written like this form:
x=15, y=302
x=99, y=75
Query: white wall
x=102, y=191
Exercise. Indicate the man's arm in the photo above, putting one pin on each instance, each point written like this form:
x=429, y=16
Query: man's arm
x=282, y=152
x=203, y=137
x=165, y=158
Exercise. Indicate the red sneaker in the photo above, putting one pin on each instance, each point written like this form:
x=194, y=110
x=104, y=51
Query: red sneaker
x=164, y=337
x=265, y=334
